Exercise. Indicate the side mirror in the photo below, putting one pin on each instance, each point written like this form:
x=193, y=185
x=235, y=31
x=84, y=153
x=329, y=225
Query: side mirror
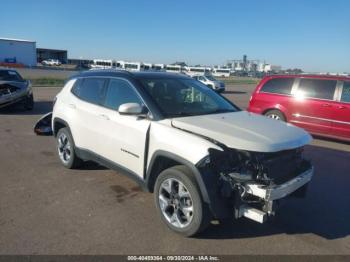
x=131, y=109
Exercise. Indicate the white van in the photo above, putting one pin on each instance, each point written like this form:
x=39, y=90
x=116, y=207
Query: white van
x=158, y=67
x=197, y=70
x=146, y=66
x=101, y=64
x=132, y=66
x=174, y=68
x=221, y=72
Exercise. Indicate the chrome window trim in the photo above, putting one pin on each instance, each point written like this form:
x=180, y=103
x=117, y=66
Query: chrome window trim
x=295, y=86
x=338, y=91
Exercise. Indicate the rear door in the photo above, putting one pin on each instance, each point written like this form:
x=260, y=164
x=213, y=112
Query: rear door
x=341, y=117
x=86, y=108
x=313, y=104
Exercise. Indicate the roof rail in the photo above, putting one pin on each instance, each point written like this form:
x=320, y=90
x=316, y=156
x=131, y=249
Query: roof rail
x=121, y=70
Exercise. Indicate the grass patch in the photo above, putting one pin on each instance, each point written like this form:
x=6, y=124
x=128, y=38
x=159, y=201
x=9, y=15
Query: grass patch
x=47, y=81
x=240, y=80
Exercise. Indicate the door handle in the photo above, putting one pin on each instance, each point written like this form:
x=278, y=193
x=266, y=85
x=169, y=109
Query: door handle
x=326, y=105
x=342, y=107
x=72, y=106
x=104, y=116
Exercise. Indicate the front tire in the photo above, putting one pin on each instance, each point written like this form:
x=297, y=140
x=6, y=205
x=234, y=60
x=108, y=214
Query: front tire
x=276, y=115
x=179, y=202
x=66, y=149
x=29, y=102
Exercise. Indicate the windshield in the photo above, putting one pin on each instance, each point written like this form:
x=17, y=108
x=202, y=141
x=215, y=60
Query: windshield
x=186, y=97
x=8, y=75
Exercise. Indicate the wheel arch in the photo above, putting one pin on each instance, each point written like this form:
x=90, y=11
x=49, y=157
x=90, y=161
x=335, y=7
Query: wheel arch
x=57, y=124
x=278, y=108
x=162, y=160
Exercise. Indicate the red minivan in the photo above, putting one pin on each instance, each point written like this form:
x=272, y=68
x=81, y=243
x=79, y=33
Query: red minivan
x=318, y=103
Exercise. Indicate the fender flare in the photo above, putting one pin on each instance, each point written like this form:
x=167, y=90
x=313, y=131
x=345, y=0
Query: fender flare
x=184, y=162
x=58, y=120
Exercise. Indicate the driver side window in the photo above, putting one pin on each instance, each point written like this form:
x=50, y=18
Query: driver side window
x=120, y=92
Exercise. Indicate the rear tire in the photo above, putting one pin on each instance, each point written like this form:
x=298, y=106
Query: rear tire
x=276, y=115
x=29, y=102
x=179, y=201
x=66, y=149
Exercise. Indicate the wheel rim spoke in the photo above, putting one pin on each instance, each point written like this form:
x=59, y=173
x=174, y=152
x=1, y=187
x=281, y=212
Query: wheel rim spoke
x=187, y=211
x=175, y=220
x=168, y=186
x=164, y=202
x=182, y=191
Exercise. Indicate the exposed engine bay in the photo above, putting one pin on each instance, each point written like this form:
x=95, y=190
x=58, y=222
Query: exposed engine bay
x=7, y=89
x=250, y=179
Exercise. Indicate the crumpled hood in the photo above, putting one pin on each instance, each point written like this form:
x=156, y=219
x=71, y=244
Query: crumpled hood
x=245, y=131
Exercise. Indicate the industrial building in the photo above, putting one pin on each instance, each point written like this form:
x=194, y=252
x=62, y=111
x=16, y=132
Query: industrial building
x=45, y=53
x=17, y=51
x=245, y=66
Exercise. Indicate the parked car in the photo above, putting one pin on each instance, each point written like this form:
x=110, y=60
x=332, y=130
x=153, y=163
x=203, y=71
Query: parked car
x=51, y=62
x=15, y=90
x=210, y=81
x=318, y=103
x=199, y=154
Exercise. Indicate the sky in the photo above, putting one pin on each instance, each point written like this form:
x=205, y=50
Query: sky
x=307, y=34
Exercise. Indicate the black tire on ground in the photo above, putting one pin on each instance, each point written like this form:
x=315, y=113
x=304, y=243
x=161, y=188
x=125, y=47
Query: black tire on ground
x=74, y=161
x=201, y=213
x=210, y=86
x=275, y=114
x=29, y=102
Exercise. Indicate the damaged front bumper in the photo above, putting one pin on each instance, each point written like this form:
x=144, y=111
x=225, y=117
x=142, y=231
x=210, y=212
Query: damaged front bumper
x=13, y=98
x=269, y=194
x=274, y=192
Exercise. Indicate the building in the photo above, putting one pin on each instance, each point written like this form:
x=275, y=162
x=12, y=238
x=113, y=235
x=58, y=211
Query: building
x=271, y=68
x=17, y=51
x=45, y=53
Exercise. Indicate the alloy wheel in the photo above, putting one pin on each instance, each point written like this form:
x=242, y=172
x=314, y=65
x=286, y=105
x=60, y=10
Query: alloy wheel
x=176, y=203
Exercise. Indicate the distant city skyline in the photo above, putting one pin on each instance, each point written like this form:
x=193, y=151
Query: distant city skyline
x=311, y=35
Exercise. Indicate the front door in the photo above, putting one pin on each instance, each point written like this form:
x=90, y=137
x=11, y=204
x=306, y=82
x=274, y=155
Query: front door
x=124, y=136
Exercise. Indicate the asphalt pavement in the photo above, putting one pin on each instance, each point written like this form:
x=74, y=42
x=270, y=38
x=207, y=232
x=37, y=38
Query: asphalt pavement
x=47, y=209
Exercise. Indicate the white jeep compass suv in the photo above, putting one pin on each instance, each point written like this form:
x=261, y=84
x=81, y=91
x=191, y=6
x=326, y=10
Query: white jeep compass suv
x=201, y=156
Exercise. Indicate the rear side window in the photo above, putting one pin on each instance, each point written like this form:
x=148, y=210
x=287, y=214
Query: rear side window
x=90, y=90
x=278, y=86
x=120, y=92
x=317, y=88
x=345, y=95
